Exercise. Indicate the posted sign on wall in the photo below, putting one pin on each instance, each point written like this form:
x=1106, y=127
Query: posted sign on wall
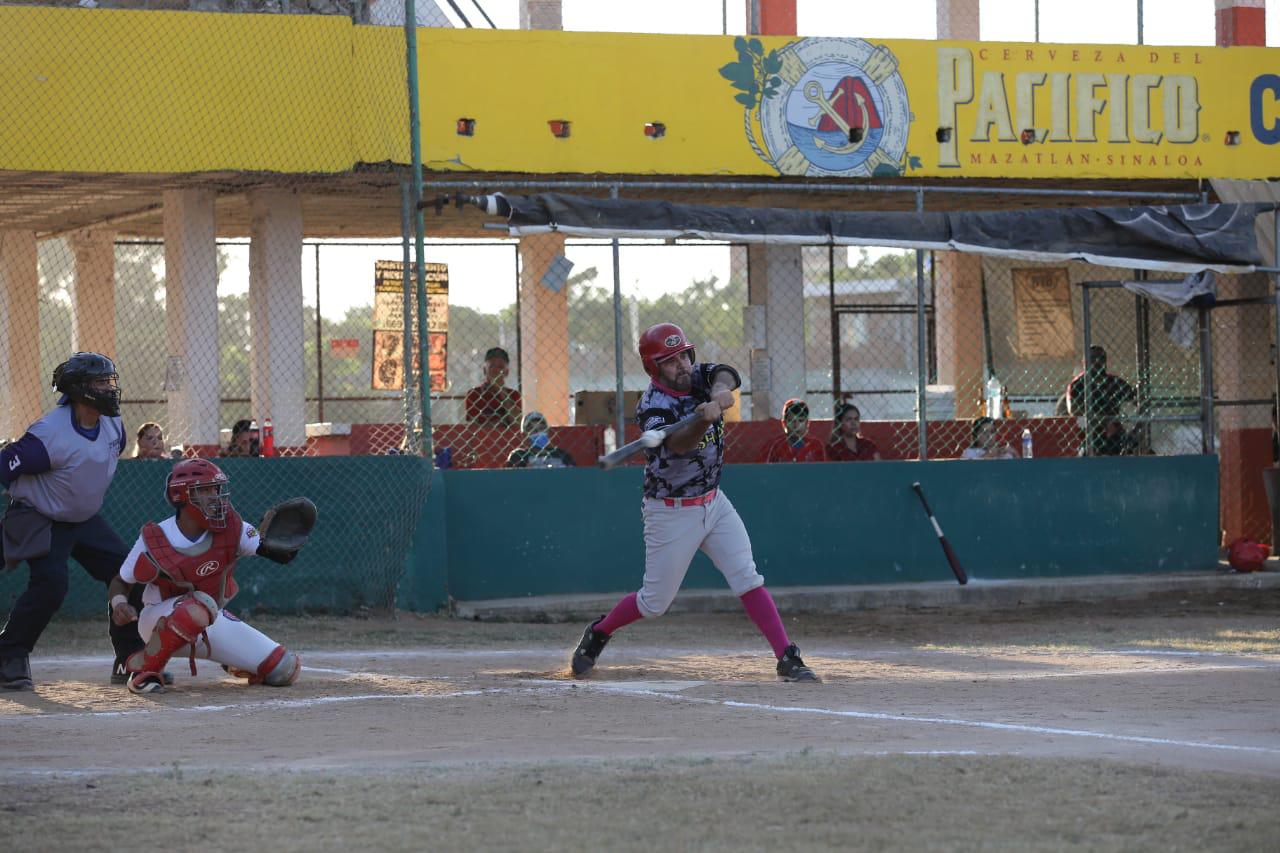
x=389, y=325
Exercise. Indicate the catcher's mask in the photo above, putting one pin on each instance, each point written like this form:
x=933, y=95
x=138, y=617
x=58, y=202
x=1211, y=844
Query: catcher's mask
x=200, y=490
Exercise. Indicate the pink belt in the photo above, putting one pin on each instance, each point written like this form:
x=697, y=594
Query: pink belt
x=698, y=501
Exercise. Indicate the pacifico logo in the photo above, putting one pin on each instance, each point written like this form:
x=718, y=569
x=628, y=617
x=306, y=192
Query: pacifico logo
x=824, y=106
x=207, y=569
x=1083, y=106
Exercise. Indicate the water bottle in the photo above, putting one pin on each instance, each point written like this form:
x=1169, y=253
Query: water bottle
x=1026, y=443
x=610, y=439
x=995, y=398
x=268, y=438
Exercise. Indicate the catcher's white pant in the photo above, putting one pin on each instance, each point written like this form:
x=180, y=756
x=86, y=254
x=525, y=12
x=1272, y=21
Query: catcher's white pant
x=673, y=534
x=231, y=642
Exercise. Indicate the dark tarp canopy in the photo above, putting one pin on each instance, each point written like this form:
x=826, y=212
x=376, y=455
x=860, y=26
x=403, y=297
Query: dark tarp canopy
x=1174, y=238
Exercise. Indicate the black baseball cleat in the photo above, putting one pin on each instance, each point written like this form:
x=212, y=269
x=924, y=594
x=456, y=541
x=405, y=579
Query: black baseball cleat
x=792, y=668
x=589, y=648
x=15, y=673
x=145, y=682
x=120, y=675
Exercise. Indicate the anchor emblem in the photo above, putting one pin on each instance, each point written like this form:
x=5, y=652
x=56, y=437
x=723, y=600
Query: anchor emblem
x=813, y=94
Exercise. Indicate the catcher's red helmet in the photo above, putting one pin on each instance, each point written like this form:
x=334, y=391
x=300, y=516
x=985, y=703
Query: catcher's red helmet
x=200, y=489
x=660, y=342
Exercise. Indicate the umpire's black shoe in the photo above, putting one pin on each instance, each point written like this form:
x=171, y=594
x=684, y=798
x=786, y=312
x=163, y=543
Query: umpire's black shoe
x=15, y=673
x=792, y=668
x=589, y=648
x=120, y=675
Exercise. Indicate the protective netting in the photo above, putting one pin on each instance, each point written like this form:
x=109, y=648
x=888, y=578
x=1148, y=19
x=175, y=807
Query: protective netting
x=833, y=327
x=202, y=225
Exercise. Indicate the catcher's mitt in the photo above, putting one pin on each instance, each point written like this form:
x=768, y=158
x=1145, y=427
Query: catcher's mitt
x=285, y=528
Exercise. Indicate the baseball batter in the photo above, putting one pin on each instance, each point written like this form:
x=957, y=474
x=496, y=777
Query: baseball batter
x=187, y=562
x=684, y=509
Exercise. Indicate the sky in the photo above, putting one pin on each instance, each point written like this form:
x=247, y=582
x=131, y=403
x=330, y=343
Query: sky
x=483, y=276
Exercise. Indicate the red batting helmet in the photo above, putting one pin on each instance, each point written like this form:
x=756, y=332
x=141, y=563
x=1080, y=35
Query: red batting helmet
x=659, y=343
x=200, y=489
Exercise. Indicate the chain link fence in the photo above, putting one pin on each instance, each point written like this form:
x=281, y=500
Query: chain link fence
x=257, y=311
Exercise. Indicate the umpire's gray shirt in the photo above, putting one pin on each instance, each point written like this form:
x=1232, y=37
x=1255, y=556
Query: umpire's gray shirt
x=81, y=465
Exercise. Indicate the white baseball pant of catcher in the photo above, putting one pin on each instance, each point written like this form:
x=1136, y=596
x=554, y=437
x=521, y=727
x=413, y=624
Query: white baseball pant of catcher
x=673, y=534
x=231, y=642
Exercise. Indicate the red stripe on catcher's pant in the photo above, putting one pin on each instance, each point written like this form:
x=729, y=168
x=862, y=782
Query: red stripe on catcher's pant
x=272, y=661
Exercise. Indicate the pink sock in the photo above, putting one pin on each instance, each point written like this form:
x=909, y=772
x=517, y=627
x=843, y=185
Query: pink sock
x=623, y=613
x=763, y=612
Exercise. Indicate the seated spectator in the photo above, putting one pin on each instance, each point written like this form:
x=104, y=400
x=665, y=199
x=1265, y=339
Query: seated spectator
x=983, y=444
x=244, y=440
x=847, y=443
x=540, y=453
x=150, y=443
x=795, y=445
x=492, y=403
x=1113, y=440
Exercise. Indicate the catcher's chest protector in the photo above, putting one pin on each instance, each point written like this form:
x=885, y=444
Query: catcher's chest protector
x=210, y=571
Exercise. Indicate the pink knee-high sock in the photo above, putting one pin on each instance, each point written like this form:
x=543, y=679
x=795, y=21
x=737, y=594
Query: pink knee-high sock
x=763, y=612
x=623, y=613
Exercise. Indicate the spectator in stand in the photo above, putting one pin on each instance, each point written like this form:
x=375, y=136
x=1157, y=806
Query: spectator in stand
x=150, y=444
x=492, y=403
x=795, y=445
x=244, y=440
x=1107, y=393
x=983, y=442
x=540, y=453
x=847, y=443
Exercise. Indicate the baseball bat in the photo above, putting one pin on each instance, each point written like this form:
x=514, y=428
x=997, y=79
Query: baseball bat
x=626, y=451
x=942, y=539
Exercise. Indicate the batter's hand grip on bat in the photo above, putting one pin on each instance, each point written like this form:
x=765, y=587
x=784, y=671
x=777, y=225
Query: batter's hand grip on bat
x=626, y=451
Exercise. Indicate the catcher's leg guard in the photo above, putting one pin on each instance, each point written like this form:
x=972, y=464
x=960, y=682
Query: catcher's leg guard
x=193, y=613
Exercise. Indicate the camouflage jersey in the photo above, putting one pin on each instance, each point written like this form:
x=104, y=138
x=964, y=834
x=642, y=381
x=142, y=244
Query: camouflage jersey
x=682, y=475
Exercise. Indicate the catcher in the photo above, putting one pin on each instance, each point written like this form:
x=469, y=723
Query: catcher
x=187, y=562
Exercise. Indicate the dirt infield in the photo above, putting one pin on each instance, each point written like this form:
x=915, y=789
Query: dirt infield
x=1151, y=725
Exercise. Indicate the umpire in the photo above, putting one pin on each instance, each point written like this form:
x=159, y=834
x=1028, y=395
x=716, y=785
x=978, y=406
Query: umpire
x=57, y=475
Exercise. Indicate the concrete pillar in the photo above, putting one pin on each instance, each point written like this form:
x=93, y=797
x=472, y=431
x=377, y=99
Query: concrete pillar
x=541, y=15
x=1241, y=365
x=93, y=292
x=24, y=387
x=1242, y=370
x=775, y=327
x=959, y=329
x=958, y=19
x=544, y=332
x=191, y=318
x=771, y=17
x=1241, y=22
x=277, y=373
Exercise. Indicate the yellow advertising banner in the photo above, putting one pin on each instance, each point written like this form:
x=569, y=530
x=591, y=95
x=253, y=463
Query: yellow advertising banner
x=190, y=92
x=852, y=108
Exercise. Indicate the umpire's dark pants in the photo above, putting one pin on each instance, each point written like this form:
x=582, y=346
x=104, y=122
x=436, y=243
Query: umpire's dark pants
x=94, y=545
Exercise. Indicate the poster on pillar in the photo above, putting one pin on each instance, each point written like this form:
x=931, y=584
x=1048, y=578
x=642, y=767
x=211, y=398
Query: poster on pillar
x=389, y=324
x=1042, y=313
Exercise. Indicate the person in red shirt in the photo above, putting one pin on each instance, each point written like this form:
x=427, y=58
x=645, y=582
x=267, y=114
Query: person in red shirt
x=847, y=444
x=795, y=445
x=492, y=403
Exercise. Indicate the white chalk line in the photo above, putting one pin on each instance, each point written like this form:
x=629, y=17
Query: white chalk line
x=947, y=721
x=245, y=706
x=633, y=690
